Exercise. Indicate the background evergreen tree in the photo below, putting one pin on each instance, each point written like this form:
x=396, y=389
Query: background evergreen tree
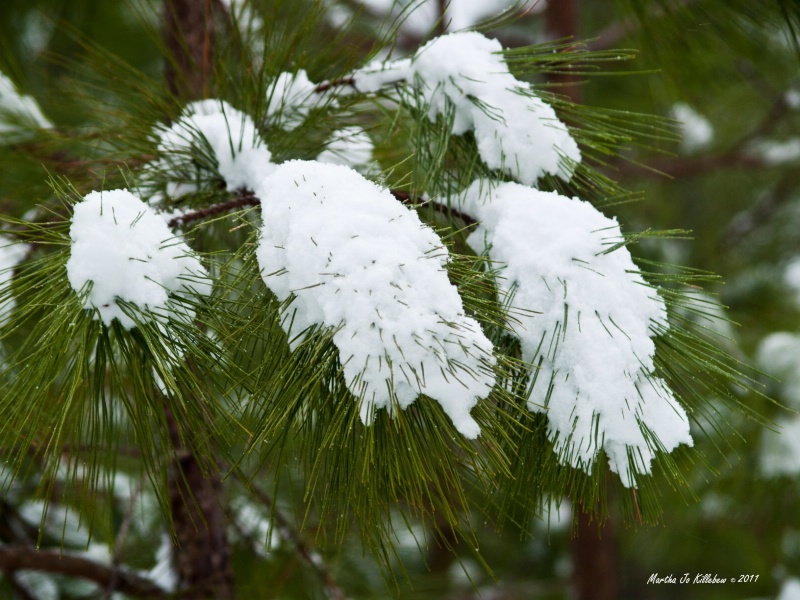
x=203, y=420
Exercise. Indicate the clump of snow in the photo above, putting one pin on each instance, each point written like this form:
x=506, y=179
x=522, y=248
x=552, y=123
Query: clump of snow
x=792, y=98
x=590, y=342
x=791, y=277
x=122, y=251
x=350, y=146
x=163, y=573
x=697, y=130
x=228, y=136
x=379, y=74
x=293, y=96
x=464, y=74
x=352, y=258
x=18, y=112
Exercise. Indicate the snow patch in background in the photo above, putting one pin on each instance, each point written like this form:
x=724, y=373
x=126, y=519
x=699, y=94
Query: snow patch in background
x=18, y=112
x=351, y=257
x=696, y=129
x=790, y=590
x=778, y=355
x=11, y=254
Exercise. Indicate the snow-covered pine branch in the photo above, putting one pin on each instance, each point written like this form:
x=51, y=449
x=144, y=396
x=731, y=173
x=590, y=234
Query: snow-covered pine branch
x=589, y=343
x=349, y=256
x=463, y=76
x=122, y=251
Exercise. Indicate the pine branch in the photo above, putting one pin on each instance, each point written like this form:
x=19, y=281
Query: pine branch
x=248, y=198
x=14, y=558
x=243, y=198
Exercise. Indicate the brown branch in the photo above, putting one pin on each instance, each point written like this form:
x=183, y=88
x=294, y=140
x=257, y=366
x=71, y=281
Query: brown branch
x=245, y=198
x=443, y=209
x=679, y=167
x=327, y=85
x=248, y=198
x=14, y=558
x=562, y=22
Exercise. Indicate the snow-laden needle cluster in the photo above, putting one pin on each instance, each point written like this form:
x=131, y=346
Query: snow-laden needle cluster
x=352, y=258
x=463, y=74
x=122, y=251
x=590, y=341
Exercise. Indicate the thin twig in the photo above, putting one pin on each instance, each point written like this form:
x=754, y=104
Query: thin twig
x=120, y=540
x=248, y=198
x=289, y=534
x=326, y=85
x=245, y=198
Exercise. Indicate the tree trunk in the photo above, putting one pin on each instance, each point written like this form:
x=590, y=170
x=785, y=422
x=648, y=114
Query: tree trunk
x=562, y=22
x=593, y=559
x=201, y=556
x=189, y=38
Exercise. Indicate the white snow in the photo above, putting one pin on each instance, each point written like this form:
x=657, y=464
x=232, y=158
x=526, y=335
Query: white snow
x=18, y=112
x=464, y=73
x=790, y=590
x=162, y=573
x=696, y=129
x=122, y=250
x=353, y=258
x=291, y=98
x=351, y=147
x=379, y=74
x=590, y=346
x=241, y=156
x=460, y=14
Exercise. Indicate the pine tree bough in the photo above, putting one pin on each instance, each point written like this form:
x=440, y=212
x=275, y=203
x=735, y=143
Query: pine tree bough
x=344, y=255
x=515, y=315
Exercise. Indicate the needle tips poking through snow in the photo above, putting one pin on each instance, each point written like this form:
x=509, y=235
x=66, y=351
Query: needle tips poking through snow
x=353, y=258
x=122, y=251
